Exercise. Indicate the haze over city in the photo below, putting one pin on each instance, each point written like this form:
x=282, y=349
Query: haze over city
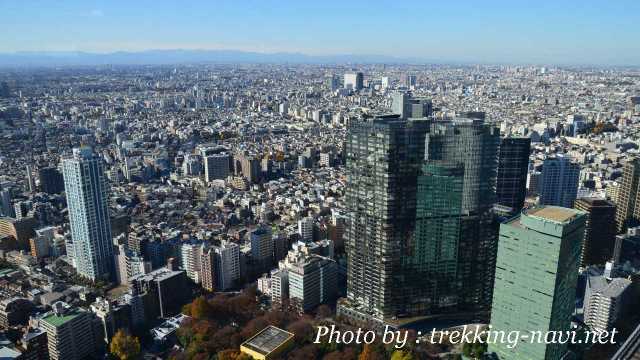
x=320, y=180
x=533, y=32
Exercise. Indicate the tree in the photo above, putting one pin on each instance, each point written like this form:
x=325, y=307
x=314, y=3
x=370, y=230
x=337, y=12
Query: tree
x=200, y=308
x=323, y=312
x=231, y=354
x=306, y=352
x=474, y=350
x=401, y=355
x=366, y=353
x=124, y=346
x=372, y=352
x=303, y=330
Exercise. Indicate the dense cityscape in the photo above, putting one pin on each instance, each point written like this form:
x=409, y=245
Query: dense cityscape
x=227, y=211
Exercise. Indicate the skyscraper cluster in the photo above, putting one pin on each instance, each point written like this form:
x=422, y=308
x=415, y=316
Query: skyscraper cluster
x=421, y=237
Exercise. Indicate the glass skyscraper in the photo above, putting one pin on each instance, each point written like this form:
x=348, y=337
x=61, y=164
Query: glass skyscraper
x=421, y=237
x=465, y=238
x=432, y=260
x=536, y=278
x=384, y=156
x=87, y=196
x=513, y=164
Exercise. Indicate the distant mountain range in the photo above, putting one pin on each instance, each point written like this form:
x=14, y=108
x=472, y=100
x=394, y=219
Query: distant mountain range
x=158, y=57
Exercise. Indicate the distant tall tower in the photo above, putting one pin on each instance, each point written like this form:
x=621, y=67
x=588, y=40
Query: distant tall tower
x=30, y=180
x=87, y=196
x=407, y=106
x=536, y=278
x=600, y=231
x=6, y=209
x=400, y=104
x=410, y=80
x=560, y=178
x=353, y=81
x=513, y=163
x=628, y=208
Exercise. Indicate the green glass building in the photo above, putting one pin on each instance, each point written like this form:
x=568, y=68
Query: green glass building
x=535, y=279
x=473, y=145
x=432, y=262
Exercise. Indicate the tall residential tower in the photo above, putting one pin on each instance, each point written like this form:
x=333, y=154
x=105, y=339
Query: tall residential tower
x=87, y=196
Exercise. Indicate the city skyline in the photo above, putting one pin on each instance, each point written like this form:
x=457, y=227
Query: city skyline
x=498, y=32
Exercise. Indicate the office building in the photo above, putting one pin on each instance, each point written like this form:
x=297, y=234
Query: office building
x=353, y=81
x=627, y=206
x=87, y=196
x=331, y=82
x=305, y=229
x=384, y=156
x=71, y=333
x=385, y=82
x=513, y=164
x=405, y=105
x=261, y=248
x=312, y=281
x=560, y=177
x=192, y=165
x=434, y=257
x=6, y=209
x=456, y=236
x=600, y=230
x=163, y=292
x=536, y=277
x=216, y=167
x=248, y=166
x=534, y=181
x=51, y=180
x=400, y=104
x=409, y=80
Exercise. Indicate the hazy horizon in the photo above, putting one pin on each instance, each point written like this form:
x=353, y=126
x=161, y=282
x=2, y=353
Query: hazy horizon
x=542, y=32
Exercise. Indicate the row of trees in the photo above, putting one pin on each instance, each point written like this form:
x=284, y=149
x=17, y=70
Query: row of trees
x=220, y=324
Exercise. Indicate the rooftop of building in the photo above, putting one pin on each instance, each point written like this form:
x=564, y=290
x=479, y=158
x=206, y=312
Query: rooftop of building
x=268, y=340
x=60, y=319
x=610, y=288
x=158, y=274
x=168, y=327
x=9, y=353
x=553, y=213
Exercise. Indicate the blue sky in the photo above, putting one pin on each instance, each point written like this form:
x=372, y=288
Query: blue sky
x=561, y=31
